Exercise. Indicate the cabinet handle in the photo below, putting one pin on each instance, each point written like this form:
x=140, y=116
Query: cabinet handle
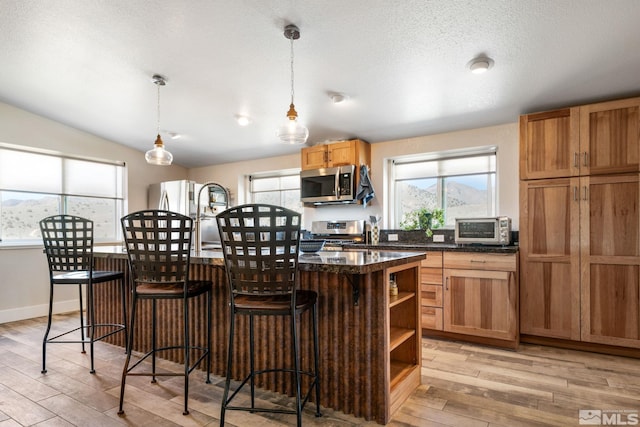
x=446, y=284
x=575, y=193
x=575, y=159
x=478, y=261
x=585, y=161
x=585, y=193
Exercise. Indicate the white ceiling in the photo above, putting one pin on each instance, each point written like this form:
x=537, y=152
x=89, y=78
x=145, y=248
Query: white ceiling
x=403, y=64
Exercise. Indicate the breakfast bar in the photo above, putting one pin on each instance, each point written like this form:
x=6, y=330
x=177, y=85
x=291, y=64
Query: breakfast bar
x=370, y=351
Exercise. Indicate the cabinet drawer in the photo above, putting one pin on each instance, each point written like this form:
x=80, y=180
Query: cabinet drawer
x=431, y=318
x=480, y=261
x=433, y=259
x=431, y=276
x=431, y=295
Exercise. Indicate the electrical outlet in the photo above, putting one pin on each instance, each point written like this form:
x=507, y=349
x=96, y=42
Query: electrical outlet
x=392, y=237
x=438, y=238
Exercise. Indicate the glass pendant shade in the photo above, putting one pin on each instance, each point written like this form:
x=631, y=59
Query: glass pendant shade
x=292, y=132
x=158, y=155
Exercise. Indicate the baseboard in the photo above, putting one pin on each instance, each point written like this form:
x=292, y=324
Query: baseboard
x=29, y=312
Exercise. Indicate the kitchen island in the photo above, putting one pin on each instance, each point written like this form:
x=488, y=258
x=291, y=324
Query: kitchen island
x=370, y=352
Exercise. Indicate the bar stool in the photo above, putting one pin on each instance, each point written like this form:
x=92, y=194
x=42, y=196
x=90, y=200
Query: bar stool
x=68, y=245
x=260, y=247
x=158, y=245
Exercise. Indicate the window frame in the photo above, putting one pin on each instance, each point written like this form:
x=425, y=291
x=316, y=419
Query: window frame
x=274, y=174
x=64, y=192
x=393, y=206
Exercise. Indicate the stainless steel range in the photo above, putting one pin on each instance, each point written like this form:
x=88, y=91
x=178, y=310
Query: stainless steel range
x=338, y=233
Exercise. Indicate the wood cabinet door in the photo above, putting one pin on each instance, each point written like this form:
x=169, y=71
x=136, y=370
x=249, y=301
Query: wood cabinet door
x=610, y=259
x=550, y=258
x=609, y=137
x=549, y=144
x=313, y=157
x=342, y=153
x=481, y=303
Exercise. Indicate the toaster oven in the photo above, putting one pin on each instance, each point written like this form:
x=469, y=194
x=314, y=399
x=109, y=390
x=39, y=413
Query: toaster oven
x=486, y=231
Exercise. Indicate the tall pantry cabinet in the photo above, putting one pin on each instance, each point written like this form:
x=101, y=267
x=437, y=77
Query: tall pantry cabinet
x=580, y=223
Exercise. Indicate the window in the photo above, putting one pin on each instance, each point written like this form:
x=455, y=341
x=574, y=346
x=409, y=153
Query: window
x=462, y=186
x=35, y=184
x=281, y=190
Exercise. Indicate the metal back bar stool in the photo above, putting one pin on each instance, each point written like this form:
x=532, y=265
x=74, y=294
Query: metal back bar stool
x=68, y=245
x=158, y=245
x=260, y=247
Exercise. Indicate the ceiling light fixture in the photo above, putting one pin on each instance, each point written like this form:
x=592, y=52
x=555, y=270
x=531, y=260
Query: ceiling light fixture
x=243, y=120
x=292, y=132
x=338, y=98
x=480, y=64
x=158, y=155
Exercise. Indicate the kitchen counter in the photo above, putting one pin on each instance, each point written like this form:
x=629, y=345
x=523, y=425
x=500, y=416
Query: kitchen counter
x=447, y=247
x=366, y=369
x=342, y=262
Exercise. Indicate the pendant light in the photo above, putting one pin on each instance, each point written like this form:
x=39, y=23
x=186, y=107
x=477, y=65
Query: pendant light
x=158, y=155
x=292, y=132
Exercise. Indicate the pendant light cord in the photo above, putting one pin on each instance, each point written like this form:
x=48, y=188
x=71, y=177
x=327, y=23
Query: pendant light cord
x=157, y=84
x=291, y=69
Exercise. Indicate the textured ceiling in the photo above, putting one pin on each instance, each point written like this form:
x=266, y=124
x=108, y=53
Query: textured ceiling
x=403, y=64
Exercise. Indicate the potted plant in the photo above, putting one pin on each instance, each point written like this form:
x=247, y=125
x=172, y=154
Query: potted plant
x=423, y=219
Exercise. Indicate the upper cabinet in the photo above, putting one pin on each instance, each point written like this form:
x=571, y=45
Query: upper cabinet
x=549, y=144
x=592, y=139
x=609, y=136
x=352, y=152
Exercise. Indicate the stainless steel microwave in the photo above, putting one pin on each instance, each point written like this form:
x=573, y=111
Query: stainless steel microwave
x=328, y=185
x=487, y=231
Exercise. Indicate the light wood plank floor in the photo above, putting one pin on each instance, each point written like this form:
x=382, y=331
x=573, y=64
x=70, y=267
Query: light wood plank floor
x=463, y=385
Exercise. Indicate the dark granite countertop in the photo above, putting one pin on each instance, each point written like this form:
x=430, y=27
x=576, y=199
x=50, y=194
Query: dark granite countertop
x=350, y=262
x=447, y=247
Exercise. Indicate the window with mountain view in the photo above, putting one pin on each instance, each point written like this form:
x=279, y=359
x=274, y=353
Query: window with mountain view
x=462, y=187
x=36, y=184
x=281, y=189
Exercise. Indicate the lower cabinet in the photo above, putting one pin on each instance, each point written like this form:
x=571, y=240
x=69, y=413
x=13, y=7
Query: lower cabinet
x=481, y=294
x=431, y=291
x=470, y=293
x=405, y=350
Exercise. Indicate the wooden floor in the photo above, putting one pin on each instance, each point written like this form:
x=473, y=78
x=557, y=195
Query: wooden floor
x=463, y=385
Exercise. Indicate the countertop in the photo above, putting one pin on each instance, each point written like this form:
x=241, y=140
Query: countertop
x=351, y=262
x=447, y=247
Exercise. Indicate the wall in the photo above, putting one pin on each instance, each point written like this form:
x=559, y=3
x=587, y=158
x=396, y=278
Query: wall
x=24, y=290
x=505, y=137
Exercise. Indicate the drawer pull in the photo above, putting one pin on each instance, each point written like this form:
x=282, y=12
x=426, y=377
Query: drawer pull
x=480, y=261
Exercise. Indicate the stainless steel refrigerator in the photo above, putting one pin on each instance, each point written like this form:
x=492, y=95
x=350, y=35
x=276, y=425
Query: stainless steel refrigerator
x=181, y=196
